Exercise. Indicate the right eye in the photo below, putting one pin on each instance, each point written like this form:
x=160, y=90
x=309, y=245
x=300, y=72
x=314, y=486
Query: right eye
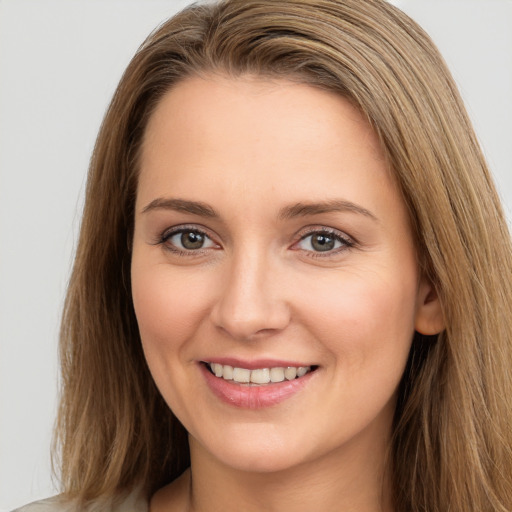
x=187, y=240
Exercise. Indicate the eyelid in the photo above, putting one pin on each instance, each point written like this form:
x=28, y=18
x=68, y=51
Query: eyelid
x=346, y=240
x=163, y=238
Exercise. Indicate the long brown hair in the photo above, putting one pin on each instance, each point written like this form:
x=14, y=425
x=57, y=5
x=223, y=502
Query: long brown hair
x=452, y=443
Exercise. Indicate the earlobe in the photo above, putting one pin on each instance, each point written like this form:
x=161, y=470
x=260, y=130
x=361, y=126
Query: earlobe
x=429, y=313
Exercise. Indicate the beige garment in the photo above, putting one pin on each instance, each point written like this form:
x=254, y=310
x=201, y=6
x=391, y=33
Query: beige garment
x=132, y=503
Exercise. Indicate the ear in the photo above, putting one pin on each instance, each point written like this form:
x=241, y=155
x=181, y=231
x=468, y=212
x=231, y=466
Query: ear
x=429, y=318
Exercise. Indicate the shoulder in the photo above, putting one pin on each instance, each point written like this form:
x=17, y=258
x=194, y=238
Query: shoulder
x=48, y=505
x=131, y=503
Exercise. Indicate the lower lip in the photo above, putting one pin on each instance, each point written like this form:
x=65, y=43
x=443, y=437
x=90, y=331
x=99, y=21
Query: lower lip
x=253, y=396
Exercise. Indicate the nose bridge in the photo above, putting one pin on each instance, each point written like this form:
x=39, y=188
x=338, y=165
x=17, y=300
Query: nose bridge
x=251, y=301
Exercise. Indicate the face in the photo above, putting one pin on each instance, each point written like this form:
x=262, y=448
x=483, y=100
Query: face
x=274, y=274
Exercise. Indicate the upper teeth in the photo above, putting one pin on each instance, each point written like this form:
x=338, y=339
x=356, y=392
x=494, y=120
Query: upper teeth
x=258, y=376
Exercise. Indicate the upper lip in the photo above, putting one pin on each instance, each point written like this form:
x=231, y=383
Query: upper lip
x=255, y=364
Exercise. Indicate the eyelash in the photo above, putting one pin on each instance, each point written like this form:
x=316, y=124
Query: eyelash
x=164, y=238
x=345, y=241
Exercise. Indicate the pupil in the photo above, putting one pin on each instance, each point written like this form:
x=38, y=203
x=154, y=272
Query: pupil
x=192, y=240
x=322, y=242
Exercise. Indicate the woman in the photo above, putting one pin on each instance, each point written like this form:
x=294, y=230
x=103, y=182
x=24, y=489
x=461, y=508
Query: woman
x=293, y=273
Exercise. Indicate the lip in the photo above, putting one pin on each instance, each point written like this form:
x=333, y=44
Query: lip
x=247, y=396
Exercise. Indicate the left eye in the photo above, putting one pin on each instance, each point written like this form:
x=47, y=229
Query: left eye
x=322, y=241
x=189, y=240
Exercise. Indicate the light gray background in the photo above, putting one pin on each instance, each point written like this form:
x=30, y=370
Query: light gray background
x=60, y=61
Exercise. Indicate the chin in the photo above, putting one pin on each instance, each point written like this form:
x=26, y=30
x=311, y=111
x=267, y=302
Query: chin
x=262, y=452
x=257, y=462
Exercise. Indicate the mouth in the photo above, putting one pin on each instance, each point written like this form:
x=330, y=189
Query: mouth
x=258, y=376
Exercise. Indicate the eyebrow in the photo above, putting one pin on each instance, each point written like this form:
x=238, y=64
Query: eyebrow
x=181, y=205
x=334, y=205
x=288, y=212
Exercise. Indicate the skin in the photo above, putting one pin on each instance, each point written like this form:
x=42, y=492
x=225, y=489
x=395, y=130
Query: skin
x=250, y=148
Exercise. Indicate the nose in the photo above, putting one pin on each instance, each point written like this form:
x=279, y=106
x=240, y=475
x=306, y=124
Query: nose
x=251, y=302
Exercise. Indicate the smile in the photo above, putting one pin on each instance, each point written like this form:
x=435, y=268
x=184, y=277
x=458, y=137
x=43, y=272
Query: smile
x=258, y=376
x=256, y=387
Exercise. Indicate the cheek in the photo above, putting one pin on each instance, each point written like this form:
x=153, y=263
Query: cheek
x=167, y=304
x=367, y=331
x=364, y=321
x=169, y=309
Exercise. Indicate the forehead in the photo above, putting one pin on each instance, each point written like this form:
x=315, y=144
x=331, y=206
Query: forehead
x=255, y=106
x=289, y=131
